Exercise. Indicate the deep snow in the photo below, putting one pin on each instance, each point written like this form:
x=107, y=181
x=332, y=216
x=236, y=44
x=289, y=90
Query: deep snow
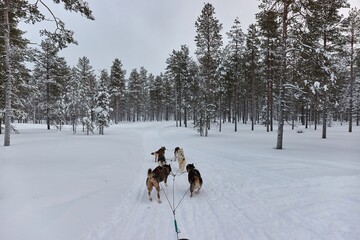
x=59, y=186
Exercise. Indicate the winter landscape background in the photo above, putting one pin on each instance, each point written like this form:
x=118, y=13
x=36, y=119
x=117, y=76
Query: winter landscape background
x=57, y=185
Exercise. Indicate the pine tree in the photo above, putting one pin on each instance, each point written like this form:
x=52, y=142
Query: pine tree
x=179, y=68
x=269, y=29
x=235, y=73
x=168, y=100
x=135, y=99
x=323, y=23
x=144, y=93
x=352, y=34
x=151, y=101
x=117, y=90
x=252, y=70
x=62, y=77
x=29, y=12
x=73, y=100
x=208, y=42
x=157, y=97
x=8, y=89
x=49, y=75
x=287, y=12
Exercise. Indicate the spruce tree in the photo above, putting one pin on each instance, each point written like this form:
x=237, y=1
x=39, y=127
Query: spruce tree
x=87, y=79
x=102, y=98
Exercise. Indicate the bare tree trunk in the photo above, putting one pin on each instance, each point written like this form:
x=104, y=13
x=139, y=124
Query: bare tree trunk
x=8, y=109
x=185, y=116
x=253, y=117
x=116, y=109
x=279, y=144
x=324, y=116
x=220, y=115
x=325, y=100
x=268, y=89
x=352, y=78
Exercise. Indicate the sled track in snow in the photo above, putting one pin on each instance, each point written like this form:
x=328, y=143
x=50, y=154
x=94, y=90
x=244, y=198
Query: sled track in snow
x=261, y=203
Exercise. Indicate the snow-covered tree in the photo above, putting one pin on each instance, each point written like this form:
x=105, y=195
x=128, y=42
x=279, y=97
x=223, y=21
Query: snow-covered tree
x=102, y=98
x=234, y=69
x=323, y=22
x=179, y=68
x=288, y=13
x=29, y=12
x=144, y=93
x=87, y=79
x=352, y=34
x=208, y=42
x=117, y=90
x=252, y=69
x=269, y=30
x=49, y=76
x=158, y=96
x=135, y=99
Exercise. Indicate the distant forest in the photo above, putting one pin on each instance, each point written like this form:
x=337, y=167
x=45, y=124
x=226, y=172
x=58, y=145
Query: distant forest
x=298, y=63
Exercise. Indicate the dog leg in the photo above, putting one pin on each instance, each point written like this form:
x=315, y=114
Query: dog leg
x=149, y=193
x=165, y=181
x=158, y=194
x=150, y=198
x=148, y=186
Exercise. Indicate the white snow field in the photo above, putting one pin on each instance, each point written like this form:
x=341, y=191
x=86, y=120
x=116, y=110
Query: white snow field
x=58, y=186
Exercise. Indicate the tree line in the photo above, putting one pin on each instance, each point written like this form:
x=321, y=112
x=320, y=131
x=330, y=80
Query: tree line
x=299, y=62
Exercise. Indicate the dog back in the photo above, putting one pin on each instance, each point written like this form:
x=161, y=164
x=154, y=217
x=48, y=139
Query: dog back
x=193, y=175
x=161, y=172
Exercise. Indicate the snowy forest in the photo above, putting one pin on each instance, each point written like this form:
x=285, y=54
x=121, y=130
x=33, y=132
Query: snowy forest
x=299, y=62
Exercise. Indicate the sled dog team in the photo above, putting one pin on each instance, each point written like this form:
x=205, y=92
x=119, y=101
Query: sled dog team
x=161, y=172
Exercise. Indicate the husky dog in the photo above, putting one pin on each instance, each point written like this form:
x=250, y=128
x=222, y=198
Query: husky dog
x=160, y=156
x=180, y=157
x=194, y=178
x=154, y=177
x=161, y=161
x=175, y=151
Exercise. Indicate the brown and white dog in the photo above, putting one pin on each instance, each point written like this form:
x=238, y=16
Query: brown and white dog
x=154, y=177
x=194, y=178
x=160, y=156
x=180, y=158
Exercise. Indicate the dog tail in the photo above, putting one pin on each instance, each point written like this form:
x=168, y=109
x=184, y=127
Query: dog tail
x=149, y=172
x=197, y=183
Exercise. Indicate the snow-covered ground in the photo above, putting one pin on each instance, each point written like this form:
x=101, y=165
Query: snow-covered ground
x=59, y=186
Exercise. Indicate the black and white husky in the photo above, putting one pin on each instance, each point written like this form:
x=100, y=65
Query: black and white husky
x=180, y=158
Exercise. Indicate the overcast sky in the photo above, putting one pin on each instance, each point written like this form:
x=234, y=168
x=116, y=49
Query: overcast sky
x=143, y=32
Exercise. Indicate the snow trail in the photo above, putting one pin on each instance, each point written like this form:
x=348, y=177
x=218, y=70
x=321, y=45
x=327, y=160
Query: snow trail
x=93, y=187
